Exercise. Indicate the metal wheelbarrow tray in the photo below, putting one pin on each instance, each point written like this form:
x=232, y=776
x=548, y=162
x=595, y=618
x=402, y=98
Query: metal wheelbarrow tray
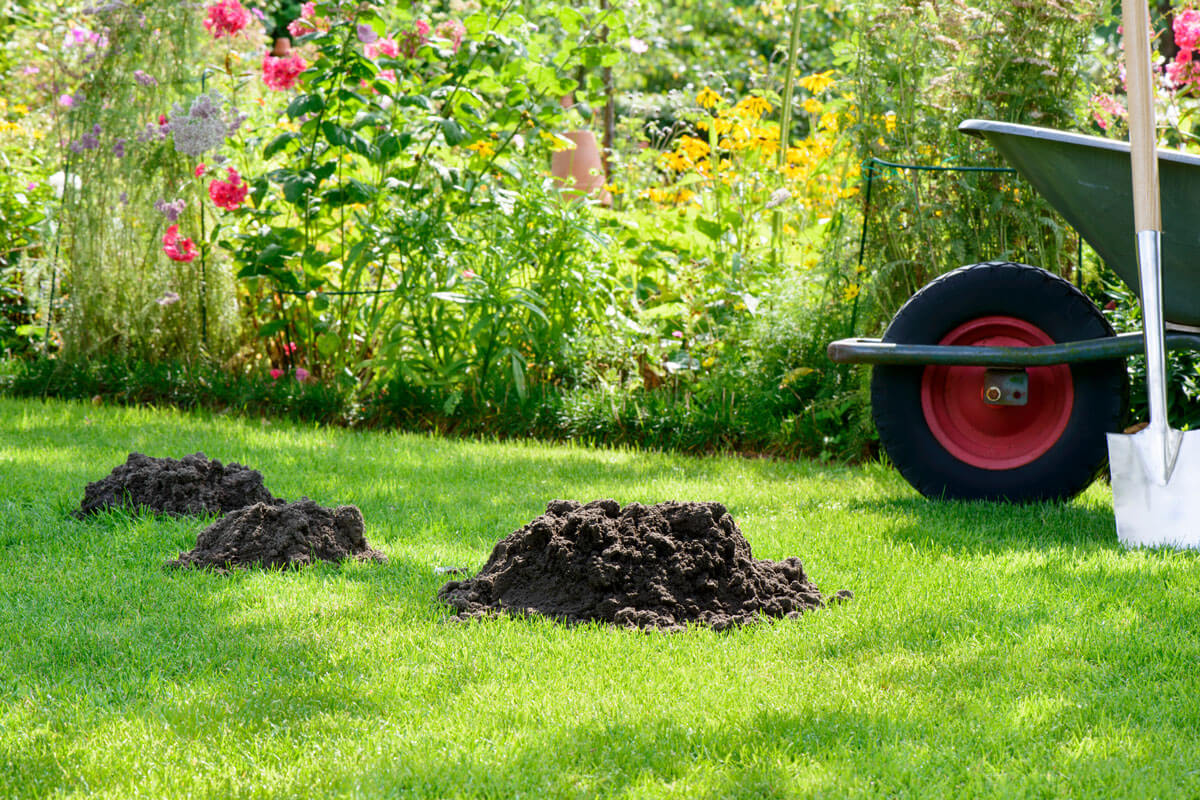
x=999, y=380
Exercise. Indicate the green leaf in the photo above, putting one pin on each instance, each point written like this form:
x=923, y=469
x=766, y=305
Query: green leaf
x=328, y=344
x=454, y=133
x=279, y=142
x=305, y=104
x=271, y=328
x=709, y=228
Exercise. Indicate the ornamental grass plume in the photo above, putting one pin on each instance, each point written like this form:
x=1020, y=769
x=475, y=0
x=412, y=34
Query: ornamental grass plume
x=229, y=194
x=226, y=18
x=177, y=247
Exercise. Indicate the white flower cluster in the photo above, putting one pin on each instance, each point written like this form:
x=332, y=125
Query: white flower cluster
x=204, y=126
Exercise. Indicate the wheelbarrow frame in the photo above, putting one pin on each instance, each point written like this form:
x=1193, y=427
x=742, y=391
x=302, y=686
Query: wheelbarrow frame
x=947, y=369
x=1087, y=179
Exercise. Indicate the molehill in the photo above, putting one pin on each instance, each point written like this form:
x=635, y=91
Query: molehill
x=191, y=485
x=661, y=566
x=280, y=536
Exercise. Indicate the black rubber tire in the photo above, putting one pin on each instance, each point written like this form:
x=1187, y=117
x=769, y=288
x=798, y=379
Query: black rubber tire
x=1101, y=389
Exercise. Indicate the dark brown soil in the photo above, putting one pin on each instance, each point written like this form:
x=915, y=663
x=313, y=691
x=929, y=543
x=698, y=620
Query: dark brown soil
x=292, y=535
x=659, y=566
x=191, y=485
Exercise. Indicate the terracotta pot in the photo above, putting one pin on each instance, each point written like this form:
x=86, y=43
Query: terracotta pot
x=580, y=171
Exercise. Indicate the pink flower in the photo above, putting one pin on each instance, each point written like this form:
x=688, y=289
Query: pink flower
x=66, y=100
x=1184, y=71
x=280, y=74
x=289, y=348
x=385, y=47
x=1187, y=29
x=226, y=18
x=469, y=275
x=302, y=374
x=453, y=30
x=200, y=169
x=1106, y=110
x=177, y=248
x=230, y=194
x=411, y=41
x=308, y=21
x=276, y=374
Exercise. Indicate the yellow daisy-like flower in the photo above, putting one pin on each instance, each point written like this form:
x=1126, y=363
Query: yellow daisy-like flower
x=850, y=292
x=753, y=106
x=818, y=82
x=812, y=105
x=483, y=148
x=693, y=148
x=708, y=98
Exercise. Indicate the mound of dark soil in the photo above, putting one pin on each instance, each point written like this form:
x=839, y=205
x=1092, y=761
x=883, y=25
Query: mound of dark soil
x=191, y=485
x=292, y=535
x=659, y=566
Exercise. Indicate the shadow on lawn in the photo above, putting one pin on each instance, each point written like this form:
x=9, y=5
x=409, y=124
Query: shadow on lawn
x=981, y=527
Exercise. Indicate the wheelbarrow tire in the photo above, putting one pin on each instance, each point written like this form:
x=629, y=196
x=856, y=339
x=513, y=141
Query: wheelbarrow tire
x=933, y=424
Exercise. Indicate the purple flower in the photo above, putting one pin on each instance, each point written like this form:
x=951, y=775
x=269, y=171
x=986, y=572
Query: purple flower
x=367, y=34
x=118, y=148
x=30, y=69
x=170, y=210
x=124, y=198
x=31, y=186
x=302, y=374
x=66, y=100
x=144, y=79
x=168, y=298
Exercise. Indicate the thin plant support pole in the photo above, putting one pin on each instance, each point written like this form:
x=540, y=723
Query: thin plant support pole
x=610, y=114
x=203, y=282
x=785, y=129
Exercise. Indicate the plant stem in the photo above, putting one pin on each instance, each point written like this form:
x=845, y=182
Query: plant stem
x=785, y=129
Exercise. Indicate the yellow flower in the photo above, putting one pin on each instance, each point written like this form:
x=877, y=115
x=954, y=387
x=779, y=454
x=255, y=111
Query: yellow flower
x=812, y=105
x=753, y=106
x=483, y=148
x=889, y=122
x=818, y=82
x=850, y=292
x=708, y=98
x=693, y=148
x=829, y=122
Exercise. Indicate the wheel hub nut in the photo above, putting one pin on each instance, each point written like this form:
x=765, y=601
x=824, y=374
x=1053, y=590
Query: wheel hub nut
x=1005, y=387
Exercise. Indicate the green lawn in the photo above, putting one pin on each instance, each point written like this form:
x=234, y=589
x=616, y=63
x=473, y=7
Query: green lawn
x=990, y=650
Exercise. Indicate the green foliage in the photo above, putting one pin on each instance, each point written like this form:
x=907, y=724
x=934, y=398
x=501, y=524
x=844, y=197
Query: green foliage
x=402, y=229
x=992, y=59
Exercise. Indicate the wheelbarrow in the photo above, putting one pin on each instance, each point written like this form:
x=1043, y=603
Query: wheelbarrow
x=999, y=380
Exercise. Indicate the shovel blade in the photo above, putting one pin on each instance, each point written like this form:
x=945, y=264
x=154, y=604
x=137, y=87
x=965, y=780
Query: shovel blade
x=1154, y=510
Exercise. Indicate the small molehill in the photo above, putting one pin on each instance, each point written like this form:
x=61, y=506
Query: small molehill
x=292, y=535
x=659, y=566
x=191, y=485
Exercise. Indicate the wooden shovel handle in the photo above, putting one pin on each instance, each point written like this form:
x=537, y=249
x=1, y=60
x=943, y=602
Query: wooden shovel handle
x=1147, y=214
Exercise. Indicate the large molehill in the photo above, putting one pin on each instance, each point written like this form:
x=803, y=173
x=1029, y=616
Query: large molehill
x=661, y=566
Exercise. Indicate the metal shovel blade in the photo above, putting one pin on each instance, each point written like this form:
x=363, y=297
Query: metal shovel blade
x=1156, y=471
x=1152, y=512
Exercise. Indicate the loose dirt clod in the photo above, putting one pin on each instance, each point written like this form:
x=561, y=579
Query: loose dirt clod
x=191, y=485
x=292, y=535
x=659, y=566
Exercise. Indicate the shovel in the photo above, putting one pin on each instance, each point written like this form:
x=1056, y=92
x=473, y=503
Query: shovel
x=1156, y=471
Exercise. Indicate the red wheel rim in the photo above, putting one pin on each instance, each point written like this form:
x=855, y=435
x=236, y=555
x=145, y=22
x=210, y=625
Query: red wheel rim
x=989, y=436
